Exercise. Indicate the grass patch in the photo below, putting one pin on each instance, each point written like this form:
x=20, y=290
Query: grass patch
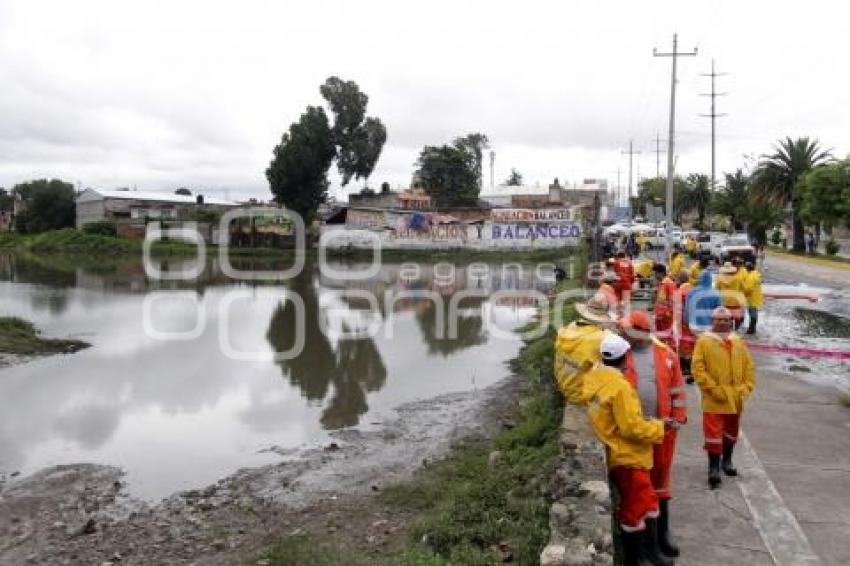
x=844, y=399
x=843, y=261
x=18, y=336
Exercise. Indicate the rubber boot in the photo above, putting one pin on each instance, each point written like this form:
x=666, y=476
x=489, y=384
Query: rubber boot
x=650, y=544
x=728, y=467
x=665, y=537
x=714, y=480
x=633, y=552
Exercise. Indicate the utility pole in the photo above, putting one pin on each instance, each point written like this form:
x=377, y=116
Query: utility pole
x=619, y=196
x=658, y=151
x=671, y=137
x=713, y=115
x=631, y=153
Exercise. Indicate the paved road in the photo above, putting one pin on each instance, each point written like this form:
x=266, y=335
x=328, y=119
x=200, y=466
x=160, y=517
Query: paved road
x=791, y=505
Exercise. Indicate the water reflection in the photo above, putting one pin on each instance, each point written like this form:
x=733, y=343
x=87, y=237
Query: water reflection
x=354, y=367
x=182, y=414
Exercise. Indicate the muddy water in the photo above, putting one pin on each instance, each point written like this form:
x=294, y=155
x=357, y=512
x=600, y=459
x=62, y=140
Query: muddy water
x=188, y=381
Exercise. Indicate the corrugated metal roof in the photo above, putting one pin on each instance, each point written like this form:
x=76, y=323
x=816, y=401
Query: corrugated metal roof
x=160, y=197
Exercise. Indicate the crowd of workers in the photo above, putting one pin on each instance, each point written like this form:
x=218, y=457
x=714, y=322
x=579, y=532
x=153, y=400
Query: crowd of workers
x=626, y=367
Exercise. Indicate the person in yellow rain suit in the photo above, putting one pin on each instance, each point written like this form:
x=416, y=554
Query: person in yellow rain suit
x=677, y=264
x=690, y=246
x=752, y=292
x=614, y=411
x=696, y=270
x=642, y=242
x=731, y=292
x=643, y=270
x=577, y=345
x=723, y=368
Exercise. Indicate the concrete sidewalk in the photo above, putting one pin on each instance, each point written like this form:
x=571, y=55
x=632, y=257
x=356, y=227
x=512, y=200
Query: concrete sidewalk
x=791, y=504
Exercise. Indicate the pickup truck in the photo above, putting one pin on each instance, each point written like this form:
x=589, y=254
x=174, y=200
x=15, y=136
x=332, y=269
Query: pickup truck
x=736, y=246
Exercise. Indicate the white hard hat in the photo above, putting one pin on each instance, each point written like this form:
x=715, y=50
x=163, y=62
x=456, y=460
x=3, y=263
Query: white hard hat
x=613, y=347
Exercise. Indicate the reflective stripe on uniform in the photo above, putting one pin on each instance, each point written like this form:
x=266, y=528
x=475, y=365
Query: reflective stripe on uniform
x=678, y=403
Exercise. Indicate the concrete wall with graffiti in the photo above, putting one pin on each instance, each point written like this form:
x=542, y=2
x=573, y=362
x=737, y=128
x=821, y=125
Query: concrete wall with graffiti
x=508, y=229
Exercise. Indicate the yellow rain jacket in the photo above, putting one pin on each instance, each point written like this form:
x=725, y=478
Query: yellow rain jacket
x=693, y=274
x=644, y=268
x=613, y=407
x=690, y=245
x=677, y=264
x=724, y=371
x=730, y=283
x=752, y=289
x=576, y=352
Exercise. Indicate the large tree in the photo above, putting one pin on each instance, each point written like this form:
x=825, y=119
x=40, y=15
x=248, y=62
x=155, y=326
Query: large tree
x=778, y=177
x=451, y=174
x=653, y=191
x=358, y=139
x=696, y=196
x=733, y=197
x=298, y=173
x=825, y=194
x=47, y=205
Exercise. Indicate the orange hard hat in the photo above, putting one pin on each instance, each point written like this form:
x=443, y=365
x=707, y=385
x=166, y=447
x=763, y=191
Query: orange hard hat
x=638, y=320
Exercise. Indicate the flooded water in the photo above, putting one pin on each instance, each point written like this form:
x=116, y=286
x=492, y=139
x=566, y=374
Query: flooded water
x=186, y=382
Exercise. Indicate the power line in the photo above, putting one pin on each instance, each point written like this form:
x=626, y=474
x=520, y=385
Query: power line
x=671, y=137
x=713, y=115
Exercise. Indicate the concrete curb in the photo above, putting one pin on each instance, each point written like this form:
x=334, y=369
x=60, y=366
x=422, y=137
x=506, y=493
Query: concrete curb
x=580, y=518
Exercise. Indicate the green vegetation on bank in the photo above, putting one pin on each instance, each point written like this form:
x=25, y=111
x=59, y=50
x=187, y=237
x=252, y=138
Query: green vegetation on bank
x=819, y=257
x=473, y=507
x=18, y=336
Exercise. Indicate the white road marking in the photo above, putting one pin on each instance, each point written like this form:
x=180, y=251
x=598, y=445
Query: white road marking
x=777, y=526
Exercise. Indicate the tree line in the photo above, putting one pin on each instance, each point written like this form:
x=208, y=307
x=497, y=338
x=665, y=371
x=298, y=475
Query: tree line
x=799, y=178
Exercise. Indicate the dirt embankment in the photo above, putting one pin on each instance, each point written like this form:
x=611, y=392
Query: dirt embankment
x=82, y=514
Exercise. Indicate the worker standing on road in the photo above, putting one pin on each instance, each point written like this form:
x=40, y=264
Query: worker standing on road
x=577, y=345
x=685, y=338
x=626, y=273
x=690, y=246
x=752, y=292
x=696, y=270
x=642, y=242
x=677, y=264
x=730, y=288
x=614, y=410
x=724, y=370
x=652, y=367
x=664, y=307
x=643, y=270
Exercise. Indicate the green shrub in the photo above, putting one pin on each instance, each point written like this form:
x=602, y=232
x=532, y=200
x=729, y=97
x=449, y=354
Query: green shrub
x=776, y=237
x=100, y=228
x=832, y=247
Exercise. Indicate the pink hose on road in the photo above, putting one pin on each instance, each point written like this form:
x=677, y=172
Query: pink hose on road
x=798, y=351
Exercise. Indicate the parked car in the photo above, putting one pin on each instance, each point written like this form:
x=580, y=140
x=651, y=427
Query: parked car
x=737, y=245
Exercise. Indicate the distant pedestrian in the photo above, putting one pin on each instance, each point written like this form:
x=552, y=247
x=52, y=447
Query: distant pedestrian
x=724, y=370
x=810, y=243
x=753, y=294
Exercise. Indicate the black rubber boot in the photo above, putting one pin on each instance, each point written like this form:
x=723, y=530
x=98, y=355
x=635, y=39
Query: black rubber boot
x=650, y=544
x=714, y=479
x=665, y=537
x=728, y=467
x=633, y=553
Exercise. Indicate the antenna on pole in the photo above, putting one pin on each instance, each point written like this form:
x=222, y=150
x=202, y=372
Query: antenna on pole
x=671, y=137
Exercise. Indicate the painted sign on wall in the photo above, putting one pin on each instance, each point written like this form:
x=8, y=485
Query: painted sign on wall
x=541, y=230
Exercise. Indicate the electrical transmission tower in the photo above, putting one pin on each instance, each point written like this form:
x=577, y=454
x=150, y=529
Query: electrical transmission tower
x=671, y=137
x=631, y=152
x=658, y=151
x=713, y=115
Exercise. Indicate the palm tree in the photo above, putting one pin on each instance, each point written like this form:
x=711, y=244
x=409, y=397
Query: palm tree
x=696, y=196
x=733, y=198
x=777, y=178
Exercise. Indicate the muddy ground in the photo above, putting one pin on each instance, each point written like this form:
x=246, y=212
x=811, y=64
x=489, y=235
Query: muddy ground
x=82, y=514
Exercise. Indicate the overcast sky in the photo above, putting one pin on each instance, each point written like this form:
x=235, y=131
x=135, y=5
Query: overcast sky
x=166, y=94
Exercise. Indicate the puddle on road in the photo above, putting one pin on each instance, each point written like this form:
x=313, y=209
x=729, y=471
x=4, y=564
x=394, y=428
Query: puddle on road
x=821, y=324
